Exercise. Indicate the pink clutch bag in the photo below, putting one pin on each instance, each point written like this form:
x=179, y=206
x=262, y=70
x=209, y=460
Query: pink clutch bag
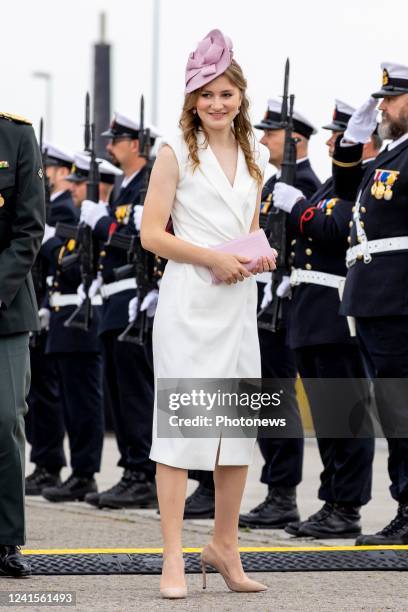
x=254, y=245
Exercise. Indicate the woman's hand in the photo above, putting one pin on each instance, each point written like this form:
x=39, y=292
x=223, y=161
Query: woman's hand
x=228, y=268
x=265, y=264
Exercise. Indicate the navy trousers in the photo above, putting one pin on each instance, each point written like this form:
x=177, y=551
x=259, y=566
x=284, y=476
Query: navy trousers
x=347, y=462
x=80, y=379
x=128, y=370
x=283, y=457
x=45, y=427
x=385, y=340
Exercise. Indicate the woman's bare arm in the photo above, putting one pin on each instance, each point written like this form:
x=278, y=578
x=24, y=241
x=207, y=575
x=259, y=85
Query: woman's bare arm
x=255, y=219
x=157, y=207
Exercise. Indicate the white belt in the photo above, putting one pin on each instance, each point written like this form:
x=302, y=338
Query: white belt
x=314, y=277
x=263, y=277
x=71, y=299
x=117, y=287
x=383, y=245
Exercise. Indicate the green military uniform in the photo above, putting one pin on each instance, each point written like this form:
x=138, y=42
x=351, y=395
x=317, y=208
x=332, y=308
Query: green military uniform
x=22, y=215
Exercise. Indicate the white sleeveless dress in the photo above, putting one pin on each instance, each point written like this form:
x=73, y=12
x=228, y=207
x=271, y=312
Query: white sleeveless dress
x=203, y=330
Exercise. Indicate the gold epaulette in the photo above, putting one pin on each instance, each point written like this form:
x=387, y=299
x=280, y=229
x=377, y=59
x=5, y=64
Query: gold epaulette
x=346, y=164
x=15, y=118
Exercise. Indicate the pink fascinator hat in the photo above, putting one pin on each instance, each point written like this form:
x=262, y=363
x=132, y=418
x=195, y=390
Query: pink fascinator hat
x=211, y=58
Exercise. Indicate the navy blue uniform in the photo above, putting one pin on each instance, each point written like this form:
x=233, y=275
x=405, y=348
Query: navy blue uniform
x=78, y=363
x=283, y=457
x=376, y=291
x=322, y=342
x=128, y=367
x=45, y=421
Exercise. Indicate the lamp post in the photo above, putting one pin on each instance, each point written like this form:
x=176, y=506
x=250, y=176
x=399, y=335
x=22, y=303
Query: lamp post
x=46, y=77
x=155, y=60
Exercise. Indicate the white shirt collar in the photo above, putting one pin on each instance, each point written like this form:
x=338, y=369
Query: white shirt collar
x=56, y=195
x=298, y=161
x=397, y=142
x=128, y=179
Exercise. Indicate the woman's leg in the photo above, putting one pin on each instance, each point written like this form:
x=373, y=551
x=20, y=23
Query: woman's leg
x=229, y=487
x=171, y=492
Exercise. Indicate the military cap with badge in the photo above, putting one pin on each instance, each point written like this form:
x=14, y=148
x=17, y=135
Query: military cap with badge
x=81, y=166
x=124, y=127
x=272, y=120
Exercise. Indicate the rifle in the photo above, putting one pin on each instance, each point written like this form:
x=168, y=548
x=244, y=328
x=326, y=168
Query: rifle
x=81, y=318
x=38, y=271
x=275, y=223
x=141, y=263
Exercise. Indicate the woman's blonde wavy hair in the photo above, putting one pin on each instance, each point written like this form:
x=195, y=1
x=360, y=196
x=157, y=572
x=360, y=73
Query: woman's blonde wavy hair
x=190, y=123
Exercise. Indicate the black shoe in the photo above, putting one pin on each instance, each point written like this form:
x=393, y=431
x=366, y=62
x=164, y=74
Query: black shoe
x=200, y=504
x=39, y=479
x=99, y=499
x=137, y=492
x=293, y=528
x=275, y=512
x=396, y=532
x=13, y=563
x=342, y=522
x=73, y=489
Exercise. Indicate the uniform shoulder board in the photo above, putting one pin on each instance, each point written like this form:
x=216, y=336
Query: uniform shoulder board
x=15, y=118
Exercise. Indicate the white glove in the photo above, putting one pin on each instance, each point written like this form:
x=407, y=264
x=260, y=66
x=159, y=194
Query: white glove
x=362, y=122
x=284, y=289
x=44, y=315
x=132, y=309
x=95, y=286
x=137, y=216
x=49, y=232
x=92, y=291
x=91, y=212
x=286, y=196
x=267, y=294
x=150, y=302
x=81, y=293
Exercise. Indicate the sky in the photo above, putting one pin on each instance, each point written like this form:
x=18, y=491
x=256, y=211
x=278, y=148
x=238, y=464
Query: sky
x=335, y=51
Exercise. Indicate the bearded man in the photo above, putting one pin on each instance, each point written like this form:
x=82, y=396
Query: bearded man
x=376, y=289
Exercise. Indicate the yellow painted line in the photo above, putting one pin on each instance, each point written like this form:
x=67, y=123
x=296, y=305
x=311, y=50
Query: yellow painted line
x=141, y=551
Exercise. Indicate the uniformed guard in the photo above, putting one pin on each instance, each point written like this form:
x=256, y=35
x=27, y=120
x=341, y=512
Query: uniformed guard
x=282, y=471
x=76, y=352
x=326, y=348
x=128, y=366
x=45, y=418
x=22, y=216
x=376, y=286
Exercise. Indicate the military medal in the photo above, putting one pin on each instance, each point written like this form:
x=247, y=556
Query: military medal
x=4, y=164
x=388, y=193
x=383, y=183
x=327, y=205
x=1, y=201
x=380, y=190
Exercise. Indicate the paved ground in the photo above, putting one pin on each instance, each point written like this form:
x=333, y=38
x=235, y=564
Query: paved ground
x=77, y=525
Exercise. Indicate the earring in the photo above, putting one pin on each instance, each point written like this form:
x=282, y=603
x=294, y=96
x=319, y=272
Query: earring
x=194, y=111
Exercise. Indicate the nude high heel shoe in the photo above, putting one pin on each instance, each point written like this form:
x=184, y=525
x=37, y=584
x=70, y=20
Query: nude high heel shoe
x=173, y=592
x=169, y=592
x=209, y=556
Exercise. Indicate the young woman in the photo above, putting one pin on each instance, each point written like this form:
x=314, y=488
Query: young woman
x=208, y=178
